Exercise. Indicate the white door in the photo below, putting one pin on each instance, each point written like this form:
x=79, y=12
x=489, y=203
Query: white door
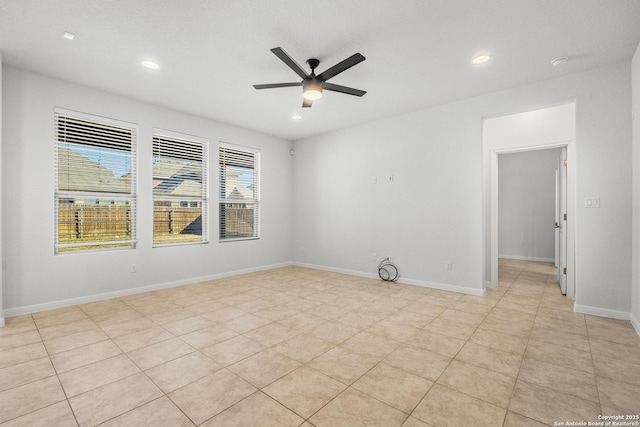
x=557, y=219
x=561, y=221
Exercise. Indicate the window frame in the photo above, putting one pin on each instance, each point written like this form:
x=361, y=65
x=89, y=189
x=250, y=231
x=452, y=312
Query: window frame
x=98, y=197
x=183, y=201
x=255, y=202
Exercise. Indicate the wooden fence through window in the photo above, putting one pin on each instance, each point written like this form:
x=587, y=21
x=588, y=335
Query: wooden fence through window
x=177, y=220
x=236, y=221
x=93, y=223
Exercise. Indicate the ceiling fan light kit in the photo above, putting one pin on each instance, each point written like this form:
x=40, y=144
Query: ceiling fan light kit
x=312, y=89
x=312, y=85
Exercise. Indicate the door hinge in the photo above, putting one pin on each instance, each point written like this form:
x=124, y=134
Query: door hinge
x=565, y=217
x=564, y=163
x=564, y=270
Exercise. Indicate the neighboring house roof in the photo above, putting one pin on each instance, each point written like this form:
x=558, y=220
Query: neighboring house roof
x=171, y=178
x=244, y=193
x=235, y=190
x=78, y=173
x=188, y=188
x=166, y=168
x=235, y=195
x=176, y=179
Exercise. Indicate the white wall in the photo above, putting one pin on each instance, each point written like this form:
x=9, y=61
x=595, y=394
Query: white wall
x=635, y=303
x=433, y=211
x=35, y=279
x=526, y=194
x=428, y=216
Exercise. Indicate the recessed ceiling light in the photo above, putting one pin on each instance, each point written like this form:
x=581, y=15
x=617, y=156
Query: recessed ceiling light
x=69, y=36
x=296, y=117
x=150, y=64
x=481, y=59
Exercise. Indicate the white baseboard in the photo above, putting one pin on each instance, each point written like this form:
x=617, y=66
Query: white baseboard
x=527, y=258
x=635, y=323
x=28, y=309
x=336, y=270
x=602, y=312
x=2, y=322
x=445, y=287
x=422, y=283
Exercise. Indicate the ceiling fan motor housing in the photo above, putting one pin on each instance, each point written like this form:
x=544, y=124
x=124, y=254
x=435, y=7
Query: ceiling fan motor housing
x=313, y=64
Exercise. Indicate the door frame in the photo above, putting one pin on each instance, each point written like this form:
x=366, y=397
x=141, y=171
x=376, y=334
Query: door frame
x=571, y=209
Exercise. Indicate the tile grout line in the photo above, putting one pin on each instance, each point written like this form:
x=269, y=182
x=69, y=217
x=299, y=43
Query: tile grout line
x=57, y=375
x=519, y=369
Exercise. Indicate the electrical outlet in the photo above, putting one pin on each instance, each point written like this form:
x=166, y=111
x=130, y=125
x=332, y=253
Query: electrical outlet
x=134, y=268
x=448, y=265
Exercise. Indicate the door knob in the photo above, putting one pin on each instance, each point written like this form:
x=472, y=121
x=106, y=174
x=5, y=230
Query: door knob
x=557, y=225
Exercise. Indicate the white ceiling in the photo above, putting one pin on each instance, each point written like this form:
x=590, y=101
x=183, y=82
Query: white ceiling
x=211, y=52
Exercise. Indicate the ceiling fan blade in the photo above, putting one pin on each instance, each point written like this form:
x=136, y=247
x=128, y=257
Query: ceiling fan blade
x=275, y=85
x=343, y=89
x=284, y=57
x=306, y=103
x=354, y=59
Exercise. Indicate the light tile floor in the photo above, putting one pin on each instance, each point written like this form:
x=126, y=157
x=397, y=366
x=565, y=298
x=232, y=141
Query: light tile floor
x=295, y=346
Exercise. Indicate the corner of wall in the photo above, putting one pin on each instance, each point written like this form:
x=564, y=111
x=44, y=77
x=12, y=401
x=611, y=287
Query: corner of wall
x=1, y=301
x=635, y=229
x=635, y=322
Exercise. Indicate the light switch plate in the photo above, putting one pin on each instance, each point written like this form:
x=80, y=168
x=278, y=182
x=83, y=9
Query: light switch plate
x=592, y=202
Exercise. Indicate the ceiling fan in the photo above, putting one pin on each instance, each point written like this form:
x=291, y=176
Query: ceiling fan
x=313, y=85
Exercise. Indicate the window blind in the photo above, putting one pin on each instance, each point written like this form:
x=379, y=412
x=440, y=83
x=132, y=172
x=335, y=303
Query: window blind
x=239, y=196
x=95, y=181
x=180, y=203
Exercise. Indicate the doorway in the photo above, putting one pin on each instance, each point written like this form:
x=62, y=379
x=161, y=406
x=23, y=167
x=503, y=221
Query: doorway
x=548, y=128
x=531, y=207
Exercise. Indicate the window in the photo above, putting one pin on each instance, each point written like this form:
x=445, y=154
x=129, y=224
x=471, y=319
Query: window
x=179, y=189
x=239, y=193
x=95, y=182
